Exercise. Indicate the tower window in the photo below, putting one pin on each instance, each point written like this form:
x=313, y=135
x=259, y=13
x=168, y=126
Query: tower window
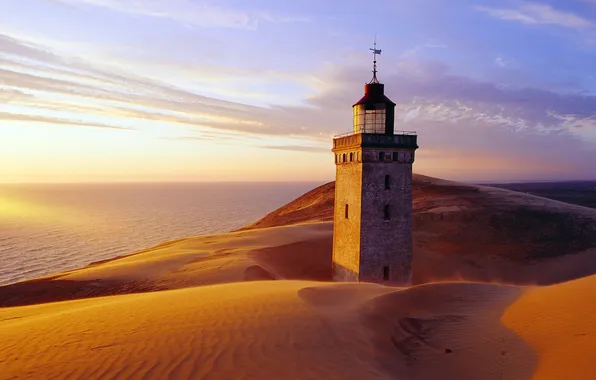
x=395, y=156
x=386, y=212
x=385, y=273
x=381, y=156
x=347, y=211
x=344, y=157
x=351, y=156
x=387, y=182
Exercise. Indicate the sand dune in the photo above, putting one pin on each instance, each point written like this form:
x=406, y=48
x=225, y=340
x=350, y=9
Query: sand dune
x=556, y=321
x=478, y=233
x=238, y=331
x=309, y=330
x=292, y=252
x=314, y=206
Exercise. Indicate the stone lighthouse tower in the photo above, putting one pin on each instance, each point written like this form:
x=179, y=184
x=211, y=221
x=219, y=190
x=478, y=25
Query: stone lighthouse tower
x=372, y=233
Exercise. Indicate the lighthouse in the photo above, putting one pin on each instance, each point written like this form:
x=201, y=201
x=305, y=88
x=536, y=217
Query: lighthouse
x=372, y=232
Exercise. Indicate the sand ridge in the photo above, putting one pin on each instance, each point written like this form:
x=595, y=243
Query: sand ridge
x=308, y=330
x=557, y=322
x=232, y=331
x=292, y=252
x=477, y=233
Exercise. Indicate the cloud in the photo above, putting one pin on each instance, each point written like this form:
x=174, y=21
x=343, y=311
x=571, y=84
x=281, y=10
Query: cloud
x=539, y=130
x=425, y=90
x=191, y=13
x=7, y=116
x=298, y=148
x=535, y=13
x=428, y=90
x=28, y=69
x=219, y=137
x=8, y=95
x=418, y=48
x=425, y=86
x=455, y=116
x=78, y=87
x=501, y=61
x=189, y=138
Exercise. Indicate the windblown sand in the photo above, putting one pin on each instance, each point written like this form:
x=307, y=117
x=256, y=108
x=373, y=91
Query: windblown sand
x=258, y=303
x=309, y=330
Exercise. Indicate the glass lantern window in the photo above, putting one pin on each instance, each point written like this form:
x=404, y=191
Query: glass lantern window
x=370, y=118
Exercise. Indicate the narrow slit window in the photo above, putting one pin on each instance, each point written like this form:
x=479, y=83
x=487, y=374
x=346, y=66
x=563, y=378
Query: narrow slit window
x=381, y=156
x=395, y=156
x=387, y=213
x=351, y=156
x=387, y=182
x=344, y=157
x=385, y=273
x=347, y=211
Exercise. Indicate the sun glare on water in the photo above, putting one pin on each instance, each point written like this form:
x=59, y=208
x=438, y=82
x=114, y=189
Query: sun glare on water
x=13, y=209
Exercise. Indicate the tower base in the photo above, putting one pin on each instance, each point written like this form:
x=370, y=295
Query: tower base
x=342, y=274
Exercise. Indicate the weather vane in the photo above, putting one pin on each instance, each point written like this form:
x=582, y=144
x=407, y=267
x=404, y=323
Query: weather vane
x=375, y=52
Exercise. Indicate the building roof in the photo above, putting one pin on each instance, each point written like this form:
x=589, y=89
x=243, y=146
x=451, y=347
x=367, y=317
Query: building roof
x=374, y=93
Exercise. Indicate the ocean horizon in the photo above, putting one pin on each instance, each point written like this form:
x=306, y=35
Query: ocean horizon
x=47, y=228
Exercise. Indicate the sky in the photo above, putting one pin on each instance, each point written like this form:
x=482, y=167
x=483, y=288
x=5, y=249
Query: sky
x=236, y=90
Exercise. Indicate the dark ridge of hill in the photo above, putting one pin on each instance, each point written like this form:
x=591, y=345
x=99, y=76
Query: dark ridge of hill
x=582, y=193
x=486, y=227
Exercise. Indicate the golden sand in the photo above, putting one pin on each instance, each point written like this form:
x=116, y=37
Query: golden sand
x=308, y=330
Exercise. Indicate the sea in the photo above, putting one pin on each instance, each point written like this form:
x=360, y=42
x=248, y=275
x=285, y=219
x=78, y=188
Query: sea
x=50, y=228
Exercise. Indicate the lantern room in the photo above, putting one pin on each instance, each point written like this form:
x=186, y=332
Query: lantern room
x=374, y=113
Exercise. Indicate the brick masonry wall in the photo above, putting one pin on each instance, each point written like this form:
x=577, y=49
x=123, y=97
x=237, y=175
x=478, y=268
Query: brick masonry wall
x=386, y=243
x=365, y=243
x=346, y=232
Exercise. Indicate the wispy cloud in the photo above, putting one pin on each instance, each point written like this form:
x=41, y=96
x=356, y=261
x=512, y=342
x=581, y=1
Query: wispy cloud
x=501, y=61
x=298, y=148
x=468, y=117
x=452, y=113
x=535, y=13
x=424, y=89
x=221, y=137
x=32, y=76
x=418, y=48
x=8, y=116
x=191, y=13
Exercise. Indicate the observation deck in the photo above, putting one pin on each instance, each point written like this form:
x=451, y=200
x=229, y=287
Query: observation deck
x=399, y=139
